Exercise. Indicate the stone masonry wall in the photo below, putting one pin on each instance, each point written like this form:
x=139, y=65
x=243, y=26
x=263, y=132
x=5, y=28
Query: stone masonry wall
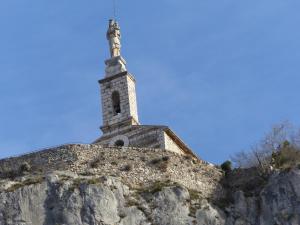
x=125, y=86
x=132, y=98
x=136, y=167
x=139, y=136
x=170, y=145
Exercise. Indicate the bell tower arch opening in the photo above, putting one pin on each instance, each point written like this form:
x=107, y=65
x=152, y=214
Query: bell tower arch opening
x=116, y=103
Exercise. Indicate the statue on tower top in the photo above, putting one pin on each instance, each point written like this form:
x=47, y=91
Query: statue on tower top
x=116, y=64
x=114, y=37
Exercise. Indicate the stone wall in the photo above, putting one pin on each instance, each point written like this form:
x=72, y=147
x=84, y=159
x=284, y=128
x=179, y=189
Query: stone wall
x=137, y=167
x=170, y=145
x=132, y=97
x=124, y=84
x=142, y=136
x=138, y=136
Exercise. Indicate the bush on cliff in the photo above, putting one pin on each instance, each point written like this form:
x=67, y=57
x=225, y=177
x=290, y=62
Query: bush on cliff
x=279, y=149
x=226, y=166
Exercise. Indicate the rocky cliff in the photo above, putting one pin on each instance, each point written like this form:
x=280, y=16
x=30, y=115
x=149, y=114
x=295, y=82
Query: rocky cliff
x=90, y=185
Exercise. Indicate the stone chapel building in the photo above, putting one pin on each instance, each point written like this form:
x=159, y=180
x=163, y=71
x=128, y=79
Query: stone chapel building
x=121, y=127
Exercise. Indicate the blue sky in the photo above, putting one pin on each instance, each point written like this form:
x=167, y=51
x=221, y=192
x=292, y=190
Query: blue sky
x=219, y=73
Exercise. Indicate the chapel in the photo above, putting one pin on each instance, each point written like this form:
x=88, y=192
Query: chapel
x=121, y=126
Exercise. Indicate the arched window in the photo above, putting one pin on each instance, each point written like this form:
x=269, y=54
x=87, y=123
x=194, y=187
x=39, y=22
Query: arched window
x=119, y=143
x=116, y=102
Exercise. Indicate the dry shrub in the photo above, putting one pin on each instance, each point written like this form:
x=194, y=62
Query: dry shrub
x=165, y=158
x=143, y=158
x=161, y=163
x=188, y=157
x=127, y=168
x=25, y=167
x=10, y=174
x=163, y=166
x=97, y=161
x=114, y=163
x=278, y=149
x=155, y=161
x=14, y=173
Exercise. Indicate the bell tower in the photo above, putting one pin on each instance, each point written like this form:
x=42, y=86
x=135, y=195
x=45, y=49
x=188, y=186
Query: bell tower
x=118, y=93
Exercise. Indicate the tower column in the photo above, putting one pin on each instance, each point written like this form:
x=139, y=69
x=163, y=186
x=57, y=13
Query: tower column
x=118, y=94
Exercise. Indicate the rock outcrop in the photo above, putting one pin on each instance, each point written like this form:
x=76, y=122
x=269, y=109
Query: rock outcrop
x=65, y=197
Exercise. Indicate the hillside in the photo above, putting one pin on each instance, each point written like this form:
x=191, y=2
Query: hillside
x=91, y=185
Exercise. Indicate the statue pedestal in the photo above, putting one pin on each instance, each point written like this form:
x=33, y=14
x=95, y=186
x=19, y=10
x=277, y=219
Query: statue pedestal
x=115, y=66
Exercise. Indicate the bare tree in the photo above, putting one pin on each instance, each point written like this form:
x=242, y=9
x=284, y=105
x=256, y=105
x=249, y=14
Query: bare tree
x=260, y=155
x=243, y=159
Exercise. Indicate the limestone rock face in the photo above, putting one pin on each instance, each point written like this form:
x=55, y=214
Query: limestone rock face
x=277, y=203
x=68, y=199
x=170, y=206
x=209, y=215
x=280, y=200
x=24, y=205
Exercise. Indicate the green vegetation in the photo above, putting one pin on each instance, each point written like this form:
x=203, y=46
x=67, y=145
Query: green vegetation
x=25, y=167
x=193, y=211
x=194, y=195
x=156, y=187
x=287, y=157
x=86, y=173
x=226, y=166
x=10, y=174
x=30, y=181
x=15, y=173
x=131, y=202
x=83, y=181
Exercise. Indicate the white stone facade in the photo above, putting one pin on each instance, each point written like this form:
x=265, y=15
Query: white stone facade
x=170, y=145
